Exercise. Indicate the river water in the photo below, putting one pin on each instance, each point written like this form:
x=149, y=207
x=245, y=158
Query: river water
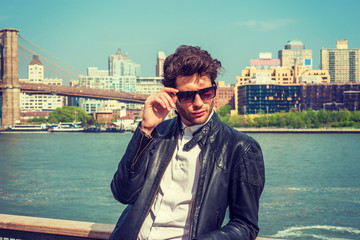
x=312, y=180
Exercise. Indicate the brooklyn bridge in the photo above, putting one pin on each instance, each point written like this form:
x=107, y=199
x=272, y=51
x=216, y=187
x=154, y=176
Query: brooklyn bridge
x=11, y=87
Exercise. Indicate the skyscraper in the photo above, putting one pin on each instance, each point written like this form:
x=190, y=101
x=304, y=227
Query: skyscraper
x=121, y=65
x=160, y=64
x=295, y=50
x=342, y=62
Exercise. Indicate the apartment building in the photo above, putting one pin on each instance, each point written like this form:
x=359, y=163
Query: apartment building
x=343, y=63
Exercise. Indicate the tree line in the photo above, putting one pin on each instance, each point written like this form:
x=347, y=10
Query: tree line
x=66, y=114
x=304, y=119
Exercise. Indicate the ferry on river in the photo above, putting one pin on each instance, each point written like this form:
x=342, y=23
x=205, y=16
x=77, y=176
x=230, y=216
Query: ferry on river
x=67, y=127
x=28, y=127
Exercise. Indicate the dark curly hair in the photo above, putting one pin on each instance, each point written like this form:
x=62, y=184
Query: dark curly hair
x=188, y=60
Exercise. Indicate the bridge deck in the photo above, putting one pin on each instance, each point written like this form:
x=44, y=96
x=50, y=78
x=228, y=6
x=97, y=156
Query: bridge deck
x=38, y=88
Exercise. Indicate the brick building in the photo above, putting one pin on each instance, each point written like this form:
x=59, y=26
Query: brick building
x=224, y=96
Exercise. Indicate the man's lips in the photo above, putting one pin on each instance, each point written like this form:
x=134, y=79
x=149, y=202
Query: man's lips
x=199, y=113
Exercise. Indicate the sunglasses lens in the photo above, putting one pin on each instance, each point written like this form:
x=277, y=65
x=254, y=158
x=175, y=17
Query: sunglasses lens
x=186, y=97
x=207, y=93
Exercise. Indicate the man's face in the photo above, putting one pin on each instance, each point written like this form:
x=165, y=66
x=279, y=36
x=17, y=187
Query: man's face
x=198, y=111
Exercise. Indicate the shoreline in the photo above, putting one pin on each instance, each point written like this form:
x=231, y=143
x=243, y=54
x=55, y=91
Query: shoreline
x=299, y=130
x=258, y=130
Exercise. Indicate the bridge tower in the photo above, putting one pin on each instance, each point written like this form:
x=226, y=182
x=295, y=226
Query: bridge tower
x=9, y=74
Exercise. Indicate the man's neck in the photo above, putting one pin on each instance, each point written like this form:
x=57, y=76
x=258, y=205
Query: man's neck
x=194, y=128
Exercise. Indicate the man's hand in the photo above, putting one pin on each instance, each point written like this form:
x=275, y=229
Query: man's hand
x=157, y=107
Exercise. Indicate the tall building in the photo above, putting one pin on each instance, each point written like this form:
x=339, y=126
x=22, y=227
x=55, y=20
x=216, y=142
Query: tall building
x=295, y=51
x=40, y=102
x=279, y=76
x=343, y=63
x=121, y=76
x=265, y=61
x=160, y=64
x=121, y=65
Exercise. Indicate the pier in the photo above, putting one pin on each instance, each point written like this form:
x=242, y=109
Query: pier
x=14, y=227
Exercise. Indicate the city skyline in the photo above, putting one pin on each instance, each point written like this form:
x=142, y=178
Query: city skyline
x=85, y=33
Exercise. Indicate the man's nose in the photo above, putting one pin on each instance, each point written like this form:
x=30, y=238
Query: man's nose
x=198, y=101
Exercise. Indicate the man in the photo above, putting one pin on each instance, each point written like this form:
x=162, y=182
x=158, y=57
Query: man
x=179, y=176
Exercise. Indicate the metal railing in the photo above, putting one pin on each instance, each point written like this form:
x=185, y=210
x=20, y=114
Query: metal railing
x=13, y=227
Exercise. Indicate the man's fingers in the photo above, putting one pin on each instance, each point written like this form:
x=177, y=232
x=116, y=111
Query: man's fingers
x=169, y=90
x=164, y=101
x=166, y=98
x=170, y=95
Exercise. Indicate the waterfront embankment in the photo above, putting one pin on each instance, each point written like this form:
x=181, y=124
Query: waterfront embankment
x=298, y=130
x=254, y=130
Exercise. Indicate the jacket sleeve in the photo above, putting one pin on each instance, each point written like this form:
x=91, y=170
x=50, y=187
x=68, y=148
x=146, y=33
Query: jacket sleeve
x=246, y=185
x=130, y=175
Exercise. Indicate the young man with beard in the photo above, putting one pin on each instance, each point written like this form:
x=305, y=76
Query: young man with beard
x=179, y=176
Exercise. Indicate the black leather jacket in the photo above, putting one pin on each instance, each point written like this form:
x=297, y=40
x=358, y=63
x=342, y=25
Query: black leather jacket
x=231, y=175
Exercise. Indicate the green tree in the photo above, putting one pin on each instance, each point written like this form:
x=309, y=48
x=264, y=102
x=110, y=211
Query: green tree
x=324, y=116
x=344, y=115
x=237, y=121
x=38, y=120
x=224, y=110
x=260, y=121
x=225, y=119
x=115, y=118
x=355, y=116
x=70, y=114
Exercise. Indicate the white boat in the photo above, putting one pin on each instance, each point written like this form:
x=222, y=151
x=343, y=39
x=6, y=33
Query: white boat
x=28, y=127
x=67, y=127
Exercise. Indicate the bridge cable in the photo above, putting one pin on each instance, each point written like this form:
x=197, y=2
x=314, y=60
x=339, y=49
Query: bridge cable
x=47, y=68
x=48, y=61
x=52, y=55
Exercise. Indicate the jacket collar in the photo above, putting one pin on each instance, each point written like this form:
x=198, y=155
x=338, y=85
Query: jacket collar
x=203, y=132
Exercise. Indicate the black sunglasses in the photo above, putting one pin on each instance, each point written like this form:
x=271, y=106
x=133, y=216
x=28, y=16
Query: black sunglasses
x=189, y=96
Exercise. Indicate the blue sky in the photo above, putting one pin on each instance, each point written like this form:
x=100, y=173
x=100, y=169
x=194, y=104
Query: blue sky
x=84, y=33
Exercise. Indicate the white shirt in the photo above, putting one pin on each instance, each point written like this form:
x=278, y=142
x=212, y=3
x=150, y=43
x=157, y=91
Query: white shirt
x=169, y=216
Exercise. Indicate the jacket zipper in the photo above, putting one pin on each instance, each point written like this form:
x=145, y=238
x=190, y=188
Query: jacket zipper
x=157, y=189
x=193, y=203
x=137, y=156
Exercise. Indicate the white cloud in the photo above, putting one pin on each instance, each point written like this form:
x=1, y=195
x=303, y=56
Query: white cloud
x=264, y=26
